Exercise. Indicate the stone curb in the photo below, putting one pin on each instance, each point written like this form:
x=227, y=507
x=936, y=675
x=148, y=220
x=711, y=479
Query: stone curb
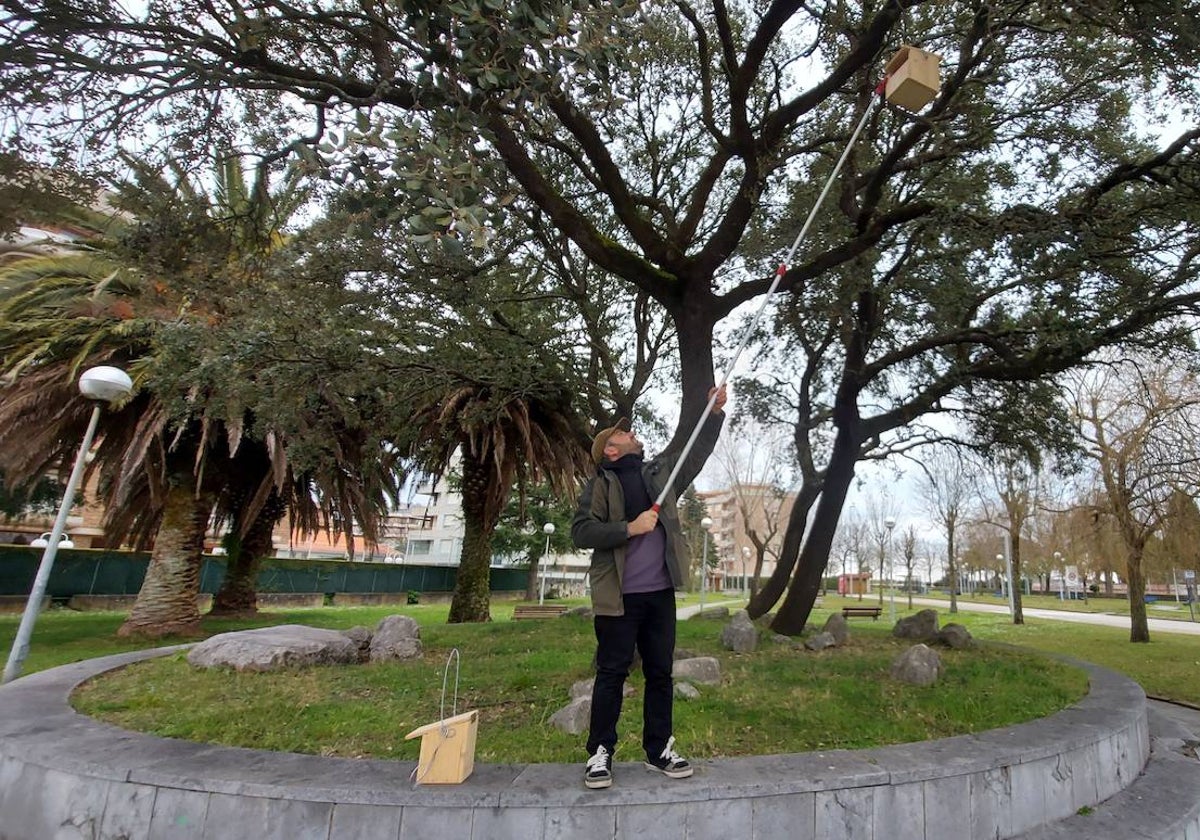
x=60, y=769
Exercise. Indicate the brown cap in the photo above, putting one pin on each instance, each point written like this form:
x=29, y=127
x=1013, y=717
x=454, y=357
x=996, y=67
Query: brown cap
x=601, y=439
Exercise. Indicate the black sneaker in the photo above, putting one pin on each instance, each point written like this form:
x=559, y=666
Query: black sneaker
x=598, y=772
x=670, y=763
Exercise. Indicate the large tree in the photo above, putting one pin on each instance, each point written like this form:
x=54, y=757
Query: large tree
x=1015, y=226
x=1140, y=423
x=175, y=291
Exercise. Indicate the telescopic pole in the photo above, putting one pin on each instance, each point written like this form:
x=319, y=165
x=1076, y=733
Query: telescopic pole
x=779, y=273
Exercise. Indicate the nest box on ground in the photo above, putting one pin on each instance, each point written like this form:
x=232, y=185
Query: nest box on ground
x=912, y=78
x=447, y=749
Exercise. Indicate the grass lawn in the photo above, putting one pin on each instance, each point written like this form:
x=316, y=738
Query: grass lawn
x=518, y=673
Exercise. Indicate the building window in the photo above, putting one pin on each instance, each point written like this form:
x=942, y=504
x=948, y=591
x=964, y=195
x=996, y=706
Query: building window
x=420, y=547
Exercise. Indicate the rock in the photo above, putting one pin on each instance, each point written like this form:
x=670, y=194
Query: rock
x=574, y=717
x=361, y=636
x=780, y=639
x=956, y=636
x=705, y=670
x=684, y=653
x=919, y=665
x=635, y=665
x=581, y=611
x=820, y=641
x=271, y=648
x=396, y=637
x=686, y=691
x=837, y=626
x=740, y=635
x=583, y=688
x=714, y=612
x=922, y=627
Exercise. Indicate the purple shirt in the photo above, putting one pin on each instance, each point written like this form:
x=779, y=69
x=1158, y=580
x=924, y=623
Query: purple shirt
x=646, y=563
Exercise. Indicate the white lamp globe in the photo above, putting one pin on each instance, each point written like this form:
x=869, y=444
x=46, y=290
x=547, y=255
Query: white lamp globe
x=548, y=528
x=105, y=383
x=706, y=523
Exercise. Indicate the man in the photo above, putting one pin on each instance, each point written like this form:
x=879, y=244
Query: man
x=637, y=564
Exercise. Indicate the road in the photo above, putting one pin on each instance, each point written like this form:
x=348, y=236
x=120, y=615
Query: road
x=1157, y=625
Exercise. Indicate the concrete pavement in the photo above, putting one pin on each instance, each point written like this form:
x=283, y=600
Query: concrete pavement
x=1157, y=625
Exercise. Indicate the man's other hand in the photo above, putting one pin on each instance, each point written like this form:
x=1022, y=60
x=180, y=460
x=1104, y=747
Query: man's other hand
x=719, y=404
x=644, y=524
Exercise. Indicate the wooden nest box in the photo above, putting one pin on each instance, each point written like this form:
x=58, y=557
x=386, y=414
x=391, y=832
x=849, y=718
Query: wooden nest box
x=912, y=78
x=447, y=749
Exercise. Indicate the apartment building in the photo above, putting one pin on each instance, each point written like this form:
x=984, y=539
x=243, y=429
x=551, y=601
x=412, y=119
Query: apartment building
x=736, y=512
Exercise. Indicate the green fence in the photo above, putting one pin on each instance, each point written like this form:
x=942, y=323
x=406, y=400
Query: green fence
x=101, y=572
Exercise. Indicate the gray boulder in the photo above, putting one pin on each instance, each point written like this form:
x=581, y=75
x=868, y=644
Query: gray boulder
x=581, y=611
x=837, y=626
x=956, y=636
x=705, y=670
x=714, y=612
x=686, y=691
x=361, y=636
x=820, y=641
x=919, y=665
x=583, y=688
x=396, y=637
x=574, y=717
x=922, y=627
x=271, y=648
x=740, y=635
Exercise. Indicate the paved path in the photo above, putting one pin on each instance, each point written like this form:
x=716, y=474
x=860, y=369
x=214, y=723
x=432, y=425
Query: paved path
x=1157, y=625
x=692, y=609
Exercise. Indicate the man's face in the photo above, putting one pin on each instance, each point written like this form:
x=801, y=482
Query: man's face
x=622, y=443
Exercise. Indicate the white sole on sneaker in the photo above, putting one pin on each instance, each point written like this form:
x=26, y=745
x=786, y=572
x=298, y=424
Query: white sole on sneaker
x=670, y=774
x=597, y=784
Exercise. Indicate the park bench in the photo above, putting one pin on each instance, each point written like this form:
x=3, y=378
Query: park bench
x=530, y=611
x=851, y=612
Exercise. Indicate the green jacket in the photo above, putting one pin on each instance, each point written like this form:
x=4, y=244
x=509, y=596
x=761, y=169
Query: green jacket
x=600, y=525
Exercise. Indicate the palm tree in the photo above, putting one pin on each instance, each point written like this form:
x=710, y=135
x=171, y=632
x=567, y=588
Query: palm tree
x=59, y=315
x=169, y=456
x=510, y=413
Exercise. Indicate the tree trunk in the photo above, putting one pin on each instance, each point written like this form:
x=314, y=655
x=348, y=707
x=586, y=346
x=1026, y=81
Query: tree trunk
x=694, y=332
x=806, y=583
x=482, y=506
x=238, y=594
x=166, y=603
x=1014, y=582
x=531, y=579
x=793, y=536
x=1139, y=628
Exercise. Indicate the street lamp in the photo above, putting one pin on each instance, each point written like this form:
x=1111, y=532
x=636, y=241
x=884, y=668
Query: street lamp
x=547, y=529
x=888, y=525
x=102, y=384
x=745, y=557
x=706, y=524
x=1062, y=581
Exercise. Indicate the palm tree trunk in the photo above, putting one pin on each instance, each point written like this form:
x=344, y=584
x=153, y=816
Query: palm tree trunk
x=482, y=506
x=166, y=603
x=238, y=594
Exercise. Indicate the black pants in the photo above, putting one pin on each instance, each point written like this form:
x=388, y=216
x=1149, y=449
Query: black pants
x=648, y=624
